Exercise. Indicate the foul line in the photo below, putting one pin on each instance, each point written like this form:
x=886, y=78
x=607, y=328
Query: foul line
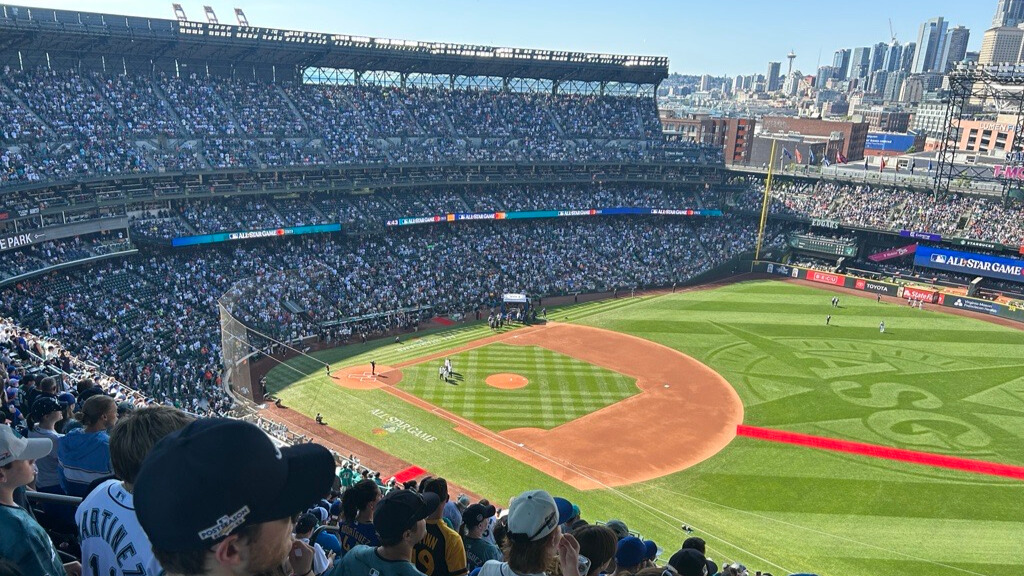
x=486, y=459
x=883, y=452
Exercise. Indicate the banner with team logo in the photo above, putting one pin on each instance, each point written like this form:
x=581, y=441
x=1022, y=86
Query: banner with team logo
x=826, y=278
x=970, y=263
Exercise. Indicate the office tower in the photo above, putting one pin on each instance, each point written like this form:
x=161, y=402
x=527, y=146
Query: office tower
x=772, y=81
x=1008, y=13
x=955, y=48
x=878, y=54
x=893, y=57
x=1001, y=45
x=931, y=41
x=860, y=63
x=909, y=50
x=841, y=62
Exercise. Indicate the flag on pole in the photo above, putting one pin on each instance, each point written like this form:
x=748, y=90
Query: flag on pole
x=811, y=161
x=913, y=164
x=799, y=156
x=865, y=163
x=840, y=158
x=786, y=154
x=929, y=165
x=882, y=165
x=826, y=162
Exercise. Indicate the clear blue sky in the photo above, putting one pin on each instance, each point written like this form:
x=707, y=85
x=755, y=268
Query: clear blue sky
x=709, y=36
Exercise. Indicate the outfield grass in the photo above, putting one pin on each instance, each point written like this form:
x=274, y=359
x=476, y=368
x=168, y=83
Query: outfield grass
x=560, y=389
x=933, y=382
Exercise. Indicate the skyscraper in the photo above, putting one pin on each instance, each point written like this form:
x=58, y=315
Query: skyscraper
x=955, y=48
x=909, y=50
x=878, y=54
x=931, y=41
x=1001, y=45
x=841, y=62
x=893, y=57
x=860, y=63
x=1008, y=13
x=772, y=81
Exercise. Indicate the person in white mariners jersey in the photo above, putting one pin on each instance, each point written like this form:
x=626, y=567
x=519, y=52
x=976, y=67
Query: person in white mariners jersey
x=113, y=542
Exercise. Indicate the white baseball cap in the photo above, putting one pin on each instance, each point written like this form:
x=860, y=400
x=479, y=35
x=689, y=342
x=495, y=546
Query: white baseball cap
x=533, y=515
x=14, y=448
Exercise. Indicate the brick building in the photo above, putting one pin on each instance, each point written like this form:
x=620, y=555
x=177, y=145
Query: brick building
x=852, y=134
x=735, y=135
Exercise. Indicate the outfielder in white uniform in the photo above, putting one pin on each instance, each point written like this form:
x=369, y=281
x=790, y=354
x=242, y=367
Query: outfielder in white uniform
x=113, y=542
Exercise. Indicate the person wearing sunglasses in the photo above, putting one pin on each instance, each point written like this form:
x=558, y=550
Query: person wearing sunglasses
x=535, y=538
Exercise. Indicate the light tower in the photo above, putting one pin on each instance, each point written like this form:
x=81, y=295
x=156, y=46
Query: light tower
x=790, y=57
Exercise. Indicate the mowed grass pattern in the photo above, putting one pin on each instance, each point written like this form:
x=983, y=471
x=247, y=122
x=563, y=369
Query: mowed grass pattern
x=560, y=388
x=775, y=507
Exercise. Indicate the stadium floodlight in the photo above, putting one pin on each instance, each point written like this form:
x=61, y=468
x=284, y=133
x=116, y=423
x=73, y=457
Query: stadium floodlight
x=242, y=20
x=211, y=16
x=179, y=13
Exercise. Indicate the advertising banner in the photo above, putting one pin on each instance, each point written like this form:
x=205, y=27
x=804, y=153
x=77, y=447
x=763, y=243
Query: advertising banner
x=974, y=305
x=920, y=235
x=911, y=293
x=825, y=277
x=253, y=234
x=969, y=263
x=888, y=142
x=894, y=253
x=875, y=287
x=532, y=214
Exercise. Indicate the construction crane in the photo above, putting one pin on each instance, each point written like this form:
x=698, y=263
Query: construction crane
x=892, y=35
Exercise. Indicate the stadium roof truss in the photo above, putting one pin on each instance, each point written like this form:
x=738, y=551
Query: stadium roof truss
x=999, y=86
x=85, y=36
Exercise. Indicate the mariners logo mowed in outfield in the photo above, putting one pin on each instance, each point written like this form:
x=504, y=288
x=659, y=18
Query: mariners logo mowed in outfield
x=560, y=388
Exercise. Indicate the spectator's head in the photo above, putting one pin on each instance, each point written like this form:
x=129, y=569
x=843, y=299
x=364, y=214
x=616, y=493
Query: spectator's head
x=619, y=527
x=218, y=496
x=305, y=525
x=98, y=413
x=17, y=459
x=533, y=531
x=83, y=385
x=652, y=551
x=695, y=542
x=599, y=544
x=689, y=562
x=136, y=434
x=437, y=486
x=475, y=519
x=630, y=554
x=48, y=385
x=400, y=518
x=46, y=411
x=359, y=501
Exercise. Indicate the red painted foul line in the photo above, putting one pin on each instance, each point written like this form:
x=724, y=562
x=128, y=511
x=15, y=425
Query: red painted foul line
x=885, y=452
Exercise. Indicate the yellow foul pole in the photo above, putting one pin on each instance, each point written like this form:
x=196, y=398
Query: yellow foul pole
x=764, y=203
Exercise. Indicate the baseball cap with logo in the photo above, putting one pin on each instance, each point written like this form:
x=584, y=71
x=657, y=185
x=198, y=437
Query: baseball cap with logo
x=202, y=483
x=14, y=448
x=477, y=513
x=630, y=552
x=400, y=510
x=532, y=515
x=44, y=405
x=689, y=562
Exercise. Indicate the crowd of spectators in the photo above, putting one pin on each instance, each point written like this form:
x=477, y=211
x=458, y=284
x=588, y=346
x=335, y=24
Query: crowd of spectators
x=56, y=252
x=68, y=124
x=891, y=209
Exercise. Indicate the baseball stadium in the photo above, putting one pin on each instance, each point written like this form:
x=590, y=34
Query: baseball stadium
x=492, y=265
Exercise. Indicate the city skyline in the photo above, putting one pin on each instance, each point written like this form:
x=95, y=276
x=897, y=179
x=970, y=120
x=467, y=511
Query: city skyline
x=697, y=38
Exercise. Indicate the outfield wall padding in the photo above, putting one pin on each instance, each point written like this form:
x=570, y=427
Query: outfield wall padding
x=1008, y=311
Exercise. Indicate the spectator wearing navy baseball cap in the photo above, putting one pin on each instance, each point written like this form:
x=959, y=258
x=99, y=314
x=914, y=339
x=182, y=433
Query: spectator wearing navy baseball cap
x=401, y=522
x=218, y=497
x=474, y=523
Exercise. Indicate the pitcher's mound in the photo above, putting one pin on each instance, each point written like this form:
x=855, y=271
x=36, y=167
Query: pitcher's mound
x=506, y=381
x=360, y=377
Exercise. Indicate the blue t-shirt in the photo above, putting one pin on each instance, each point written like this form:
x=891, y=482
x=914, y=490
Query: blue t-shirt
x=357, y=533
x=364, y=561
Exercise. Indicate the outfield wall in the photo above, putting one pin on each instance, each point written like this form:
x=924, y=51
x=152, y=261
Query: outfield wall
x=1010, y=312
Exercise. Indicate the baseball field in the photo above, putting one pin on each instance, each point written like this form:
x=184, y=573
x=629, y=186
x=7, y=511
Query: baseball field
x=789, y=445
